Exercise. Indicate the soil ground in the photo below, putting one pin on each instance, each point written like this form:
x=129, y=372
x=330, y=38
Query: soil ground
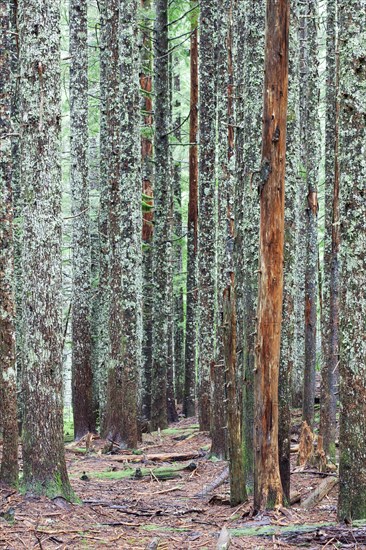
x=120, y=510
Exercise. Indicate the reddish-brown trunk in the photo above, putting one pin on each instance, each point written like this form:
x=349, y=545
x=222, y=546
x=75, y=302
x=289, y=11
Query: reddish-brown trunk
x=267, y=482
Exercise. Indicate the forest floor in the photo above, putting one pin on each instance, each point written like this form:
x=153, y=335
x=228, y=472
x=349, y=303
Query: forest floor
x=149, y=501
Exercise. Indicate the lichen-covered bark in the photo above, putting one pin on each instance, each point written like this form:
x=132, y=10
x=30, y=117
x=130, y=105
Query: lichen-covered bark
x=162, y=227
x=206, y=208
x=8, y=381
x=148, y=217
x=192, y=233
x=290, y=247
x=44, y=467
x=267, y=481
x=178, y=256
x=224, y=242
x=352, y=170
x=125, y=229
x=108, y=125
x=82, y=377
x=310, y=146
x=330, y=311
x=254, y=31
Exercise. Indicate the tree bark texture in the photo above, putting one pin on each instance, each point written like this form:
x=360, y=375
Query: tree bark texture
x=267, y=481
x=125, y=314
x=162, y=227
x=43, y=446
x=192, y=233
x=254, y=31
x=311, y=149
x=218, y=379
x=148, y=217
x=290, y=283
x=352, y=169
x=8, y=379
x=207, y=208
x=330, y=316
x=82, y=376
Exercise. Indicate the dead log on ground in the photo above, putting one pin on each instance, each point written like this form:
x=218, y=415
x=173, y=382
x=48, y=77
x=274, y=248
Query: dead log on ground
x=319, y=493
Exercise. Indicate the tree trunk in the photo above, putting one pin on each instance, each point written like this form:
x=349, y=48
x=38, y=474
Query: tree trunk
x=311, y=147
x=267, y=481
x=290, y=283
x=330, y=318
x=125, y=242
x=238, y=492
x=178, y=245
x=148, y=217
x=207, y=208
x=82, y=376
x=8, y=379
x=252, y=89
x=192, y=233
x=108, y=123
x=224, y=238
x=43, y=452
x=162, y=227
x=352, y=170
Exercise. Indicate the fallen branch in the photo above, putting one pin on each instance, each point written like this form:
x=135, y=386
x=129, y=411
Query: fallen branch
x=161, y=457
x=214, y=485
x=319, y=493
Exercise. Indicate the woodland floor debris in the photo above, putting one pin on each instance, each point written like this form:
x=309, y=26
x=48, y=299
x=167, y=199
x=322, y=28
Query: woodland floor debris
x=119, y=511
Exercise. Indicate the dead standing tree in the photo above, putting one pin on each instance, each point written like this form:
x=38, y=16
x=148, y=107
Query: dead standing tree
x=267, y=482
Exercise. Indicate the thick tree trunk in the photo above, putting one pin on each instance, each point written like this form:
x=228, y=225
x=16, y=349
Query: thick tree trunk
x=162, y=227
x=192, y=234
x=330, y=317
x=352, y=169
x=148, y=217
x=311, y=147
x=82, y=376
x=290, y=283
x=125, y=241
x=267, y=482
x=207, y=209
x=43, y=452
x=8, y=379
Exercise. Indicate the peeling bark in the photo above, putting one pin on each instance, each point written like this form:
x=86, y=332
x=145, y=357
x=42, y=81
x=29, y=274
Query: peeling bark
x=267, y=481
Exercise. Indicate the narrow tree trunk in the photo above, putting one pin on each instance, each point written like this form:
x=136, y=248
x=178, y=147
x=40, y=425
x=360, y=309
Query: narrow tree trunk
x=218, y=428
x=330, y=317
x=43, y=452
x=125, y=241
x=192, y=234
x=162, y=227
x=352, y=170
x=254, y=32
x=82, y=376
x=8, y=379
x=178, y=251
x=267, y=482
x=290, y=283
x=238, y=492
x=311, y=147
x=207, y=208
x=148, y=217
x=108, y=122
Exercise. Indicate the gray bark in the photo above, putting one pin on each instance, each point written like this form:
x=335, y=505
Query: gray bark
x=8, y=379
x=352, y=169
x=82, y=377
x=43, y=451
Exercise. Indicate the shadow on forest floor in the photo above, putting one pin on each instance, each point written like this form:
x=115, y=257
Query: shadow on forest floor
x=148, y=500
